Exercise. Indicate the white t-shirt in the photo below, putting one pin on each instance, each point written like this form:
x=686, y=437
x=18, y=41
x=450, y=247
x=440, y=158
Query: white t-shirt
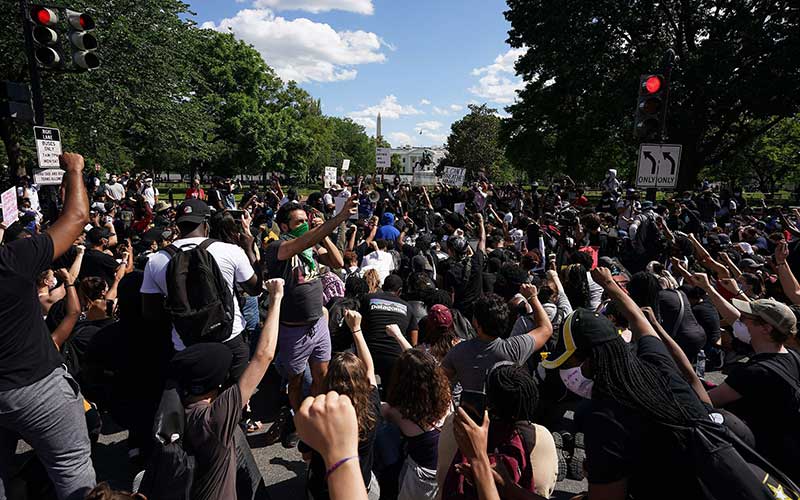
x=327, y=199
x=232, y=262
x=379, y=260
x=150, y=194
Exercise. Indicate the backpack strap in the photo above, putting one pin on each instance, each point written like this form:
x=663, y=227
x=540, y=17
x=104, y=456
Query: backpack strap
x=172, y=250
x=681, y=314
x=207, y=243
x=784, y=375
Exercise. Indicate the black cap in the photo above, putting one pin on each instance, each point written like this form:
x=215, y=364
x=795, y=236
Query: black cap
x=193, y=210
x=458, y=244
x=581, y=330
x=96, y=234
x=201, y=368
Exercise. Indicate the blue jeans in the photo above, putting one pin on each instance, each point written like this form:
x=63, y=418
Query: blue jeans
x=48, y=414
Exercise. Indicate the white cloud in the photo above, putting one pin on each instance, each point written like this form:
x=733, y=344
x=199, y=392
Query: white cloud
x=440, y=111
x=456, y=107
x=398, y=139
x=429, y=125
x=424, y=102
x=317, y=6
x=389, y=108
x=301, y=49
x=498, y=81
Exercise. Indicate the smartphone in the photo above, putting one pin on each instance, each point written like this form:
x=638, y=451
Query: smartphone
x=474, y=403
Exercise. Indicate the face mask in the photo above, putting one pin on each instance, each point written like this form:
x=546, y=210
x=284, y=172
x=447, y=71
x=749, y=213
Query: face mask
x=299, y=230
x=741, y=332
x=51, y=282
x=576, y=382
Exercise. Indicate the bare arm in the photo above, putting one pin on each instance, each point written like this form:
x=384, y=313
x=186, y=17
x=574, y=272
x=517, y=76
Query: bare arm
x=331, y=256
x=66, y=229
x=785, y=275
x=544, y=329
x=639, y=325
x=290, y=248
x=705, y=259
x=353, y=319
x=75, y=268
x=725, y=309
x=684, y=366
x=73, y=311
x=481, y=234
x=265, y=350
x=394, y=332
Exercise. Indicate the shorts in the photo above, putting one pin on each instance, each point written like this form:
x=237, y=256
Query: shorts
x=298, y=345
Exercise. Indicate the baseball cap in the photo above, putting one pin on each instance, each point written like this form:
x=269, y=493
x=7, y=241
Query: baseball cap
x=458, y=244
x=747, y=263
x=193, y=210
x=202, y=367
x=420, y=263
x=440, y=317
x=581, y=330
x=161, y=206
x=775, y=313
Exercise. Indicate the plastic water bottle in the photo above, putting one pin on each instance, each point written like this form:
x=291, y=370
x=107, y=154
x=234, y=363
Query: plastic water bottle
x=700, y=366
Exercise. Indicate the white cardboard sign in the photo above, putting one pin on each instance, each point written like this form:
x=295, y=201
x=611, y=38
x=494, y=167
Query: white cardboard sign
x=453, y=176
x=48, y=146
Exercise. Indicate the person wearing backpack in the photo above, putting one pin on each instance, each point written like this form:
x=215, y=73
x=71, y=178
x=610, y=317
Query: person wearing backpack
x=190, y=283
x=765, y=391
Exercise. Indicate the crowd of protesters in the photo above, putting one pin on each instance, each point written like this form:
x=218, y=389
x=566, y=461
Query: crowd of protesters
x=442, y=342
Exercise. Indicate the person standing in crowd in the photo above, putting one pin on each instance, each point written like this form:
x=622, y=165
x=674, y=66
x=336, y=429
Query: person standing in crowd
x=114, y=190
x=195, y=191
x=304, y=337
x=236, y=264
x=39, y=400
x=150, y=193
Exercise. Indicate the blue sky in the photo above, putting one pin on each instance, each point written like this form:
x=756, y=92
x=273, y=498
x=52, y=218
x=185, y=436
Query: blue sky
x=419, y=62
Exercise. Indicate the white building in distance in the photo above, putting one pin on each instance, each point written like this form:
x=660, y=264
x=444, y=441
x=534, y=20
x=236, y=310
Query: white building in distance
x=410, y=156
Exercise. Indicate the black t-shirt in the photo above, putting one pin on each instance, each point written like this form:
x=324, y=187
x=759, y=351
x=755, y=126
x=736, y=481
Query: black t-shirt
x=317, y=484
x=214, y=198
x=379, y=310
x=75, y=349
x=27, y=353
x=622, y=443
x=770, y=407
x=303, y=287
x=708, y=318
x=689, y=335
x=465, y=278
x=100, y=264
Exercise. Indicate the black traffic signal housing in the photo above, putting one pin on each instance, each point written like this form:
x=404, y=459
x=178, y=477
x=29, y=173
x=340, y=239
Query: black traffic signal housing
x=82, y=40
x=651, y=107
x=15, y=102
x=43, y=25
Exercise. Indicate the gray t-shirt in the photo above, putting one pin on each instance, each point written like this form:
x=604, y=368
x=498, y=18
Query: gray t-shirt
x=472, y=359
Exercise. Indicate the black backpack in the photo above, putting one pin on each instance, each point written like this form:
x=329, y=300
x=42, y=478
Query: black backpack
x=198, y=298
x=171, y=470
x=724, y=465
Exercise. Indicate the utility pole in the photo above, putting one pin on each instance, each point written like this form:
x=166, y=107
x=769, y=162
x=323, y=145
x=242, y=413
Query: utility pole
x=33, y=68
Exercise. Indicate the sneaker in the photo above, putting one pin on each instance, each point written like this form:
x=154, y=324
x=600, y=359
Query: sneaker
x=575, y=470
x=275, y=431
x=561, y=454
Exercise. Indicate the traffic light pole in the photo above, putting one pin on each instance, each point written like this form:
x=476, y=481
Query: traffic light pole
x=667, y=62
x=33, y=68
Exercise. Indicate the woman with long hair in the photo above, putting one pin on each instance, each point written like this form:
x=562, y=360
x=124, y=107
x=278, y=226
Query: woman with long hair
x=417, y=402
x=352, y=376
x=576, y=286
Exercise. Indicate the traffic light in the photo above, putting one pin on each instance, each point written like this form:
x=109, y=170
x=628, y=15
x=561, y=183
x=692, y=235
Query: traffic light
x=83, y=42
x=15, y=101
x=45, y=38
x=651, y=107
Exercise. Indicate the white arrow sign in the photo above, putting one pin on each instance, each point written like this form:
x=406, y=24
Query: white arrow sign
x=658, y=166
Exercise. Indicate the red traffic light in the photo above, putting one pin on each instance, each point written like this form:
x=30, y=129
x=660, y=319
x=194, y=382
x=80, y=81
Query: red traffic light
x=44, y=16
x=80, y=21
x=652, y=84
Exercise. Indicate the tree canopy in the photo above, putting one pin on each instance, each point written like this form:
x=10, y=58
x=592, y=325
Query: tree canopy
x=172, y=96
x=737, y=75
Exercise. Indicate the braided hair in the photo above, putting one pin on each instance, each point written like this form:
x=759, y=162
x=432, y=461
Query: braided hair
x=623, y=377
x=511, y=394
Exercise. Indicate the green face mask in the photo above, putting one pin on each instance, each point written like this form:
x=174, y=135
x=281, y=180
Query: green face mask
x=299, y=230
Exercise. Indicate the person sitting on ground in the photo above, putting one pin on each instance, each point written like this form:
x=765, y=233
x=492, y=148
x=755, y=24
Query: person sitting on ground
x=468, y=362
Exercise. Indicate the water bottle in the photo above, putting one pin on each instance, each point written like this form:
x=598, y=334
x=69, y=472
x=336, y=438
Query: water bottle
x=700, y=366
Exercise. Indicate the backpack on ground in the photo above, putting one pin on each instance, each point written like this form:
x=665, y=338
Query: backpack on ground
x=725, y=466
x=171, y=470
x=199, y=300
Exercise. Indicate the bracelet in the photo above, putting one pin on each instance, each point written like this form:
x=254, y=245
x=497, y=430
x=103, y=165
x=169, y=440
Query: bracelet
x=741, y=292
x=357, y=331
x=67, y=285
x=780, y=264
x=338, y=464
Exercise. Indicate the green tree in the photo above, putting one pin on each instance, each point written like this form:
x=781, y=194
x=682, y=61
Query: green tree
x=396, y=165
x=474, y=141
x=735, y=78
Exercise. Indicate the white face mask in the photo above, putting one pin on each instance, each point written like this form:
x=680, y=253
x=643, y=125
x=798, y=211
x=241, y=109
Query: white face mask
x=51, y=282
x=741, y=332
x=576, y=382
